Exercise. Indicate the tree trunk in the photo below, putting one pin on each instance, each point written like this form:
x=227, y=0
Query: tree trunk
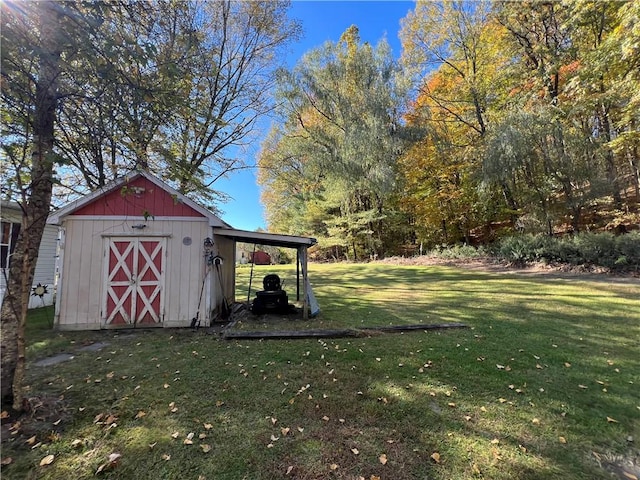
x=35, y=210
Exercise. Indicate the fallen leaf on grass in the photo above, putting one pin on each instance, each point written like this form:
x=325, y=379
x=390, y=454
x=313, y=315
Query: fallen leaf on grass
x=435, y=456
x=6, y=460
x=141, y=414
x=562, y=440
x=110, y=463
x=475, y=470
x=31, y=440
x=383, y=459
x=536, y=421
x=630, y=476
x=76, y=443
x=567, y=364
x=208, y=426
x=4, y=414
x=355, y=451
x=166, y=457
x=495, y=441
x=175, y=435
x=289, y=469
x=285, y=431
x=611, y=420
x=48, y=460
x=205, y=448
x=333, y=466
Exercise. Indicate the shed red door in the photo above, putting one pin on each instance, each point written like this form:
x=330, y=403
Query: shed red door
x=134, y=286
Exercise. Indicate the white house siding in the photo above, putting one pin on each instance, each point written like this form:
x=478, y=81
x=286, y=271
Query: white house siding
x=81, y=299
x=46, y=264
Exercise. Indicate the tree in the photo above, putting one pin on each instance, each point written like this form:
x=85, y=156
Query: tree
x=50, y=19
x=457, y=50
x=339, y=141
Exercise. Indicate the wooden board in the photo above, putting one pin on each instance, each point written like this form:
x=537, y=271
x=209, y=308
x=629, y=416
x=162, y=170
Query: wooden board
x=325, y=333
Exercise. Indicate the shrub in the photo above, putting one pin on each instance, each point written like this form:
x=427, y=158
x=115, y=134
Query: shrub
x=593, y=249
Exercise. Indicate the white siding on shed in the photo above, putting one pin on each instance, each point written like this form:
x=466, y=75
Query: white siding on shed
x=86, y=239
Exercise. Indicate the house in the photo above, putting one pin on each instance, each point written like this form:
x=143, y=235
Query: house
x=138, y=253
x=42, y=290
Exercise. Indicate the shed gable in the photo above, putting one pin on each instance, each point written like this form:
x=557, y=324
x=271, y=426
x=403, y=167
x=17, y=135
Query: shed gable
x=137, y=198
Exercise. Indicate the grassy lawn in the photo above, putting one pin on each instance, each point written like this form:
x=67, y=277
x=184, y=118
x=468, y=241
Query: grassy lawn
x=543, y=385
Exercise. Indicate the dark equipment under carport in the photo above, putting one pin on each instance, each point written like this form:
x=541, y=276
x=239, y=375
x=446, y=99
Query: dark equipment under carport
x=273, y=299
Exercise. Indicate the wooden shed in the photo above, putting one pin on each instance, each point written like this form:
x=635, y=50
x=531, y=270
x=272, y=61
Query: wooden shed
x=137, y=253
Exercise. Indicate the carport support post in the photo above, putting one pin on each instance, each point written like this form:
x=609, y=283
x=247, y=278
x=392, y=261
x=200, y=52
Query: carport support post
x=302, y=253
x=298, y=274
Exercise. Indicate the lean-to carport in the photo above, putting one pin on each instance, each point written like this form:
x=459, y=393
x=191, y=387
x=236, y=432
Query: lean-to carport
x=300, y=244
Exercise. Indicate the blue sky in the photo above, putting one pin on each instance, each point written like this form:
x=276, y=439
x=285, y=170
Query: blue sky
x=321, y=21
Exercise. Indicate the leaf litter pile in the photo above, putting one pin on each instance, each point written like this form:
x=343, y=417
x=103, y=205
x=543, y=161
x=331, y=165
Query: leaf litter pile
x=532, y=390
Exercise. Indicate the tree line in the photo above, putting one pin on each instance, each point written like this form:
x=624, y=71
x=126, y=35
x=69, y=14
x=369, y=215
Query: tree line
x=498, y=117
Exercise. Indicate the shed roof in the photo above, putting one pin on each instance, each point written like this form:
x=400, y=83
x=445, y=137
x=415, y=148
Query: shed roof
x=265, y=238
x=57, y=216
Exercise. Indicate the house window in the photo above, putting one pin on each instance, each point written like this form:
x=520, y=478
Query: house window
x=8, y=239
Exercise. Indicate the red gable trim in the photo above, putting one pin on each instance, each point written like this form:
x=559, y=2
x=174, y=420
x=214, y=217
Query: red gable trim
x=138, y=197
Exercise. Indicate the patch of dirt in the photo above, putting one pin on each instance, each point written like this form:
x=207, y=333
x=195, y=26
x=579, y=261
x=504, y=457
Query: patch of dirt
x=41, y=422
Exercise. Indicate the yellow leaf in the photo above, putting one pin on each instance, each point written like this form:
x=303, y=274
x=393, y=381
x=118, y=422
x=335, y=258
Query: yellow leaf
x=333, y=466
x=325, y=418
x=536, y=421
x=205, y=448
x=31, y=440
x=584, y=387
x=202, y=436
x=289, y=469
x=630, y=476
x=567, y=364
x=141, y=414
x=48, y=460
x=475, y=470
x=495, y=441
x=76, y=443
x=166, y=385
x=483, y=409
x=175, y=435
x=611, y=420
x=451, y=404
x=166, y=457
x=285, y=431
x=562, y=440
x=383, y=459
x=355, y=451
x=208, y=426
x=4, y=414
x=435, y=456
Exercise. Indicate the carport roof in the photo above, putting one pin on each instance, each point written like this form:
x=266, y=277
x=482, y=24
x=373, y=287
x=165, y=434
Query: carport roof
x=265, y=238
